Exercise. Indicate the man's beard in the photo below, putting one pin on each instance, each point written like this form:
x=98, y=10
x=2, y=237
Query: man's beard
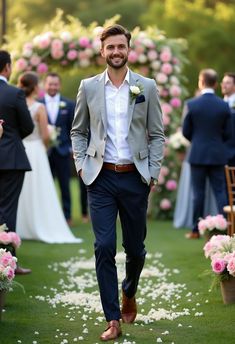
x=119, y=65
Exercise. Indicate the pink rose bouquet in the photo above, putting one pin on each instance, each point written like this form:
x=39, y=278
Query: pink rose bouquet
x=7, y=269
x=213, y=225
x=8, y=240
x=221, y=251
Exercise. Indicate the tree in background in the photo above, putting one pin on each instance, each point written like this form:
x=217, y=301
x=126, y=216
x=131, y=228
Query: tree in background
x=207, y=25
x=35, y=14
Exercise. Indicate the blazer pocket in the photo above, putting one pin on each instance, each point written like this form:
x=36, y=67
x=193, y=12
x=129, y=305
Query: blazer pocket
x=143, y=154
x=140, y=99
x=91, y=151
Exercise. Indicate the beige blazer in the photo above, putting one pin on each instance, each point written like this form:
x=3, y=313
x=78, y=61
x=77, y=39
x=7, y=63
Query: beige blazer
x=146, y=136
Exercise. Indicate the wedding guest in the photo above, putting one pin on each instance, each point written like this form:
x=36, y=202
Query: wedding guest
x=1, y=127
x=60, y=111
x=228, y=90
x=121, y=111
x=207, y=125
x=40, y=216
x=13, y=159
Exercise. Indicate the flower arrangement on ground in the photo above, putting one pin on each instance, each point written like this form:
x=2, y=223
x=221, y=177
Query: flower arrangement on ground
x=8, y=240
x=221, y=250
x=7, y=269
x=178, y=142
x=212, y=225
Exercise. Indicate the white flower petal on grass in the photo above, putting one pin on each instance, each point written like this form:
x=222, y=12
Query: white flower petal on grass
x=159, y=340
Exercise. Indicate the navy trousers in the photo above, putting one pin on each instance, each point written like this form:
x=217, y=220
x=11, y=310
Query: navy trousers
x=60, y=168
x=217, y=180
x=114, y=193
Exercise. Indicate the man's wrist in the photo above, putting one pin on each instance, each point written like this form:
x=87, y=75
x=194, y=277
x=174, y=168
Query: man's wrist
x=154, y=181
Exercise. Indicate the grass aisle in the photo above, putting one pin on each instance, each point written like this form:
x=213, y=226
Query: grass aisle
x=173, y=261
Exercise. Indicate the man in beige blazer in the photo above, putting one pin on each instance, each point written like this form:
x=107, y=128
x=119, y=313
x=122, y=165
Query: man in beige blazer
x=120, y=113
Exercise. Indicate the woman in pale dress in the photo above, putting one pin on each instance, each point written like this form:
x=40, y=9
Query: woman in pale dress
x=39, y=215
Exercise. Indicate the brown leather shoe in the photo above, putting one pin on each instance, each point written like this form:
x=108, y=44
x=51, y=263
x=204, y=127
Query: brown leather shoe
x=192, y=235
x=129, y=309
x=113, y=331
x=22, y=271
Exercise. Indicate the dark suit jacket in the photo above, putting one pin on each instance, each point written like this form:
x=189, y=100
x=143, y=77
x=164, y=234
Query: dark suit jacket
x=231, y=143
x=64, y=122
x=17, y=125
x=207, y=125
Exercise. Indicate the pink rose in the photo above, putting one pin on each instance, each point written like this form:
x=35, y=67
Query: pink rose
x=152, y=55
x=10, y=273
x=132, y=57
x=231, y=266
x=175, y=102
x=171, y=185
x=166, y=120
x=57, y=54
x=57, y=44
x=44, y=42
x=84, y=42
x=35, y=60
x=164, y=170
x=21, y=64
x=166, y=108
x=165, y=204
x=5, y=238
x=202, y=226
x=166, y=68
x=218, y=265
x=42, y=68
x=15, y=239
x=165, y=56
x=161, y=78
x=175, y=91
x=72, y=55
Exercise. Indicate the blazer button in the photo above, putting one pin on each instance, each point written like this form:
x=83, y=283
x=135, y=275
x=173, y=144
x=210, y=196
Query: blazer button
x=102, y=156
x=105, y=138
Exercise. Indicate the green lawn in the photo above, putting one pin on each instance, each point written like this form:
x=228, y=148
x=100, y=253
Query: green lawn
x=30, y=318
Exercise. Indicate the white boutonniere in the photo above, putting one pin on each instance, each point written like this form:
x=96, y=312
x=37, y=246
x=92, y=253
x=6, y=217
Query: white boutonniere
x=135, y=91
x=62, y=104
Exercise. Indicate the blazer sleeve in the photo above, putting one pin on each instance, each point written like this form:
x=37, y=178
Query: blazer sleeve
x=25, y=123
x=80, y=128
x=228, y=132
x=155, y=132
x=187, y=128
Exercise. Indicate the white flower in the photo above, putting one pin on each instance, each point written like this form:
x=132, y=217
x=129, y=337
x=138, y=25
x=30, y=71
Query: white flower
x=135, y=90
x=62, y=104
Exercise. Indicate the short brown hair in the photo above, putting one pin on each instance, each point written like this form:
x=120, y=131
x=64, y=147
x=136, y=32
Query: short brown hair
x=114, y=30
x=209, y=76
x=231, y=75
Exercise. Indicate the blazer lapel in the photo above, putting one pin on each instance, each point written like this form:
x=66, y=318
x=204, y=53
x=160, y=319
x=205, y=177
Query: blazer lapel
x=100, y=98
x=131, y=104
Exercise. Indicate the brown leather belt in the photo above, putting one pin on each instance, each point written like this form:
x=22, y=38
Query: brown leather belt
x=119, y=168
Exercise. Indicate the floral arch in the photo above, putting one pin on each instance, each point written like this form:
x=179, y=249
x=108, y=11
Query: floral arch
x=69, y=45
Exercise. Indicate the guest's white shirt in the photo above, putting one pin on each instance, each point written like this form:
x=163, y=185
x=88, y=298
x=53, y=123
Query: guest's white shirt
x=52, y=105
x=230, y=100
x=3, y=78
x=117, y=149
x=207, y=90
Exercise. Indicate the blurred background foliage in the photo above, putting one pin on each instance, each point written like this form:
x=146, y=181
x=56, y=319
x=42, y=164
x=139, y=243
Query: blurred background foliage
x=207, y=25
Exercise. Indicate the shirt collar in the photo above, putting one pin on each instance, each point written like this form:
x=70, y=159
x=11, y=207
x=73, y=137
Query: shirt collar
x=208, y=90
x=107, y=79
x=3, y=78
x=48, y=98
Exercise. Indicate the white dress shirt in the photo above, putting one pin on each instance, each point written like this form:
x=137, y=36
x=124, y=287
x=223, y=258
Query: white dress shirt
x=230, y=100
x=117, y=149
x=52, y=105
x=207, y=90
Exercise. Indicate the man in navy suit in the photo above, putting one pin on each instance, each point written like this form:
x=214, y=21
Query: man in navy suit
x=13, y=159
x=207, y=125
x=60, y=113
x=228, y=90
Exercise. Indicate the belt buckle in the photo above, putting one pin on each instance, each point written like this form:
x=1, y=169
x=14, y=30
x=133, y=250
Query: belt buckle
x=116, y=168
